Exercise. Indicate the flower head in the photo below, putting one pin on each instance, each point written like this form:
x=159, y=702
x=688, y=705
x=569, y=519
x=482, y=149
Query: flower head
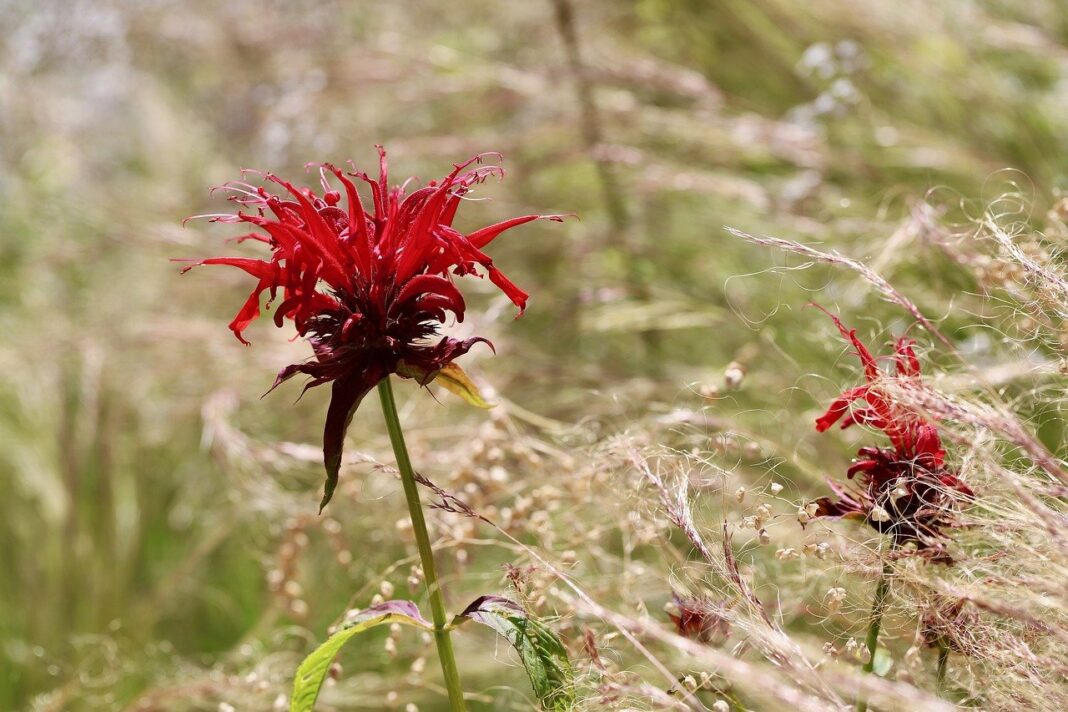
x=905, y=491
x=368, y=289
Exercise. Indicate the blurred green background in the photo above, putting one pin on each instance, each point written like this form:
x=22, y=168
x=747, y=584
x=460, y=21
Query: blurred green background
x=157, y=531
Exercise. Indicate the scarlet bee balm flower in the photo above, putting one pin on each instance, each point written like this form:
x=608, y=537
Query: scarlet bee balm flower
x=369, y=290
x=906, y=491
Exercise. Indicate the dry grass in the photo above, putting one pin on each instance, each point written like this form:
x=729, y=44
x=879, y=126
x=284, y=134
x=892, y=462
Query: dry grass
x=653, y=445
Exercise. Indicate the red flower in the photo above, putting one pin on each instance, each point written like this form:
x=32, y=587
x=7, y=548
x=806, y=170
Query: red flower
x=906, y=490
x=369, y=290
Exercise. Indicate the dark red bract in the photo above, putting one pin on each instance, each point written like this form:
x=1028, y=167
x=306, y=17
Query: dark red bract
x=906, y=491
x=369, y=290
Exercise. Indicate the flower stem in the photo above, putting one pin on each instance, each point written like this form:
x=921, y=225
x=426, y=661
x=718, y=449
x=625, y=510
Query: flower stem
x=943, y=659
x=878, y=605
x=422, y=540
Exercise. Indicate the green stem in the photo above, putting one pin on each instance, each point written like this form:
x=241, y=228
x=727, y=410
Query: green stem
x=422, y=541
x=943, y=659
x=878, y=606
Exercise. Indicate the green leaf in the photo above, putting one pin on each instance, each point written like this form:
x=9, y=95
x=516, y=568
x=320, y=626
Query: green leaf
x=541, y=650
x=452, y=378
x=312, y=672
x=883, y=661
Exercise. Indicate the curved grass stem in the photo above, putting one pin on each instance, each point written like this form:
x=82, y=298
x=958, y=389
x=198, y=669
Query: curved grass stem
x=422, y=540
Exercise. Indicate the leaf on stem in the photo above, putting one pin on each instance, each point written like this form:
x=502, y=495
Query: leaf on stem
x=451, y=377
x=541, y=650
x=312, y=672
x=884, y=660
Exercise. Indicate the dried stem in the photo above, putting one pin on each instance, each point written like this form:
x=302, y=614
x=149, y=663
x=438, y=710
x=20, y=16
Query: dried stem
x=593, y=136
x=592, y=133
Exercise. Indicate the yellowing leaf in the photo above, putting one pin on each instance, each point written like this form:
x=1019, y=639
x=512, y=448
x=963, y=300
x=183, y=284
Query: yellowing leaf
x=452, y=378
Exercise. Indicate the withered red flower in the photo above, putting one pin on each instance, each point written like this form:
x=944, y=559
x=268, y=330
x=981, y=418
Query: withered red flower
x=698, y=619
x=946, y=624
x=905, y=491
x=369, y=290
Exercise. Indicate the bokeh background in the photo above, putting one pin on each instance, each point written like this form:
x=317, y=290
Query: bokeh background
x=158, y=536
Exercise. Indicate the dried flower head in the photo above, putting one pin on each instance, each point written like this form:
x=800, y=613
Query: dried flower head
x=906, y=491
x=698, y=619
x=369, y=290
x=947, y=624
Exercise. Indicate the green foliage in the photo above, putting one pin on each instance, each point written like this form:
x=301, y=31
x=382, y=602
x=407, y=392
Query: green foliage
x=542, y=652
x=312, y=672
x=884, y=661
